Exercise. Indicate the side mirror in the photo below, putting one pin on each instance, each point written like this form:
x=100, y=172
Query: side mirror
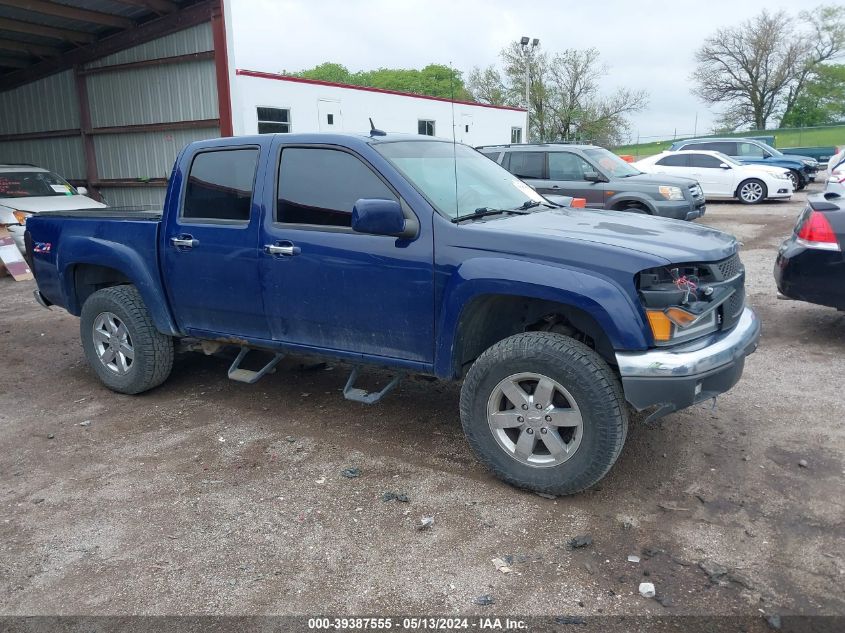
x=382, y=217
x=724, y=166
x=82, y=191
x=594, y=176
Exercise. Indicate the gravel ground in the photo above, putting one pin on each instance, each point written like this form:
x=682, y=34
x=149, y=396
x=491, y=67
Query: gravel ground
x=212, y=497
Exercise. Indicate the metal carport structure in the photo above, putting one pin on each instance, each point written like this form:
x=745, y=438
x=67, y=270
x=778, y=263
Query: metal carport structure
x=106, y=92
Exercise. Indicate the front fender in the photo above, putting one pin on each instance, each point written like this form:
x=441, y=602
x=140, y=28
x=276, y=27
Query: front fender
x=630, y=196
x=599, y=296
x=80, y=250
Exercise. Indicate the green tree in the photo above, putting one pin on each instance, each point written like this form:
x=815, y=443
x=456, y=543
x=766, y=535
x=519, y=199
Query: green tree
x=435, y=80
x=822, y=101
x=328, y=71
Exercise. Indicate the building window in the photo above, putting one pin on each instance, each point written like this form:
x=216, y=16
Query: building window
x=426, y=127
x=516, y=135
x=220, y=185
x=271, y=120
x=330, y=119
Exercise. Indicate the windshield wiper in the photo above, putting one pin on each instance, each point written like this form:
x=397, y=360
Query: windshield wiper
x=528, y=204
x=481, y=212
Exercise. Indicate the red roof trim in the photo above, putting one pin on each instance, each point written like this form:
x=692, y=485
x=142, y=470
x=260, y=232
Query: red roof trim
x=317, y=82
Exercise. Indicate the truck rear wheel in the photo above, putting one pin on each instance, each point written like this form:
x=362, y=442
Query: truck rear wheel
x=121, y=342
x=544, y=412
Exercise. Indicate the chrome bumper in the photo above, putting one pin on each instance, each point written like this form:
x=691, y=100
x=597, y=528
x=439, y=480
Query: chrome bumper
x=698, y=357
x=675, y=378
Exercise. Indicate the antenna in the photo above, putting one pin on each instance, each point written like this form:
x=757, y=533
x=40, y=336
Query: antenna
x=374, y=131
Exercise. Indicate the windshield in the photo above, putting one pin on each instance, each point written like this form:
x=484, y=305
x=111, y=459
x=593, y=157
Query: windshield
x=32, y=184
x=611, y=163
x=727, y=159
x=434, y=166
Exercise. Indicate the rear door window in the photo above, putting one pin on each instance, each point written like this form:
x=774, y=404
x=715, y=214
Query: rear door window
x=676, y=160
x=705, y=161
x=220, y=185
x=527, y=164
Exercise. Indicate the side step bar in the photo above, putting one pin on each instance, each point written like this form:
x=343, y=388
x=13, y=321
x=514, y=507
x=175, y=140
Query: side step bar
x=247, y=375
x=366, y=397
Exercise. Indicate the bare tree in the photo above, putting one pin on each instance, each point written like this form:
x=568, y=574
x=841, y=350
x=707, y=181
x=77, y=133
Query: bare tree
x=486, y=86
x=757, y=69
x=566, y=101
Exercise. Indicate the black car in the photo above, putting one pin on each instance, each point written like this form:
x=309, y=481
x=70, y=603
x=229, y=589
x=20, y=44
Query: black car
x=810, y=265
x=600, y=177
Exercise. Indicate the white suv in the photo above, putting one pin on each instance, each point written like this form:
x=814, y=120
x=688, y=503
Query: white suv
x=26, y=190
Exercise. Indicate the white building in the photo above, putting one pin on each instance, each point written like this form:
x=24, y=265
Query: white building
x=266, y=102
x=106, y=93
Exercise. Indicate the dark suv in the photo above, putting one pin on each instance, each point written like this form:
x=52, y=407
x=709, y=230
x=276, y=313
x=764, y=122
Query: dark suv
x=601, y=177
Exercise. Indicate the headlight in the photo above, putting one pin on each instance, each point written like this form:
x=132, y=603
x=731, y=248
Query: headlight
x=783, y=176
x=21, y=216
x=676, y=324
x=671, y=193
x=810, y=163
x=681, y=303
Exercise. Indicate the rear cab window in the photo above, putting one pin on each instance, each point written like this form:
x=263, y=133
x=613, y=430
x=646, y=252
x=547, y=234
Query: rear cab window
x=220, y=185
x=319, y=186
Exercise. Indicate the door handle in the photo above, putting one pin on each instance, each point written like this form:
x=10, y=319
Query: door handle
x=286, y=248
x=184, y=241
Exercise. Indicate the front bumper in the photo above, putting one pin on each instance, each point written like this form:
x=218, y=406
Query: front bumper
x=17, y=231
x=679, y=209
x=677, y=378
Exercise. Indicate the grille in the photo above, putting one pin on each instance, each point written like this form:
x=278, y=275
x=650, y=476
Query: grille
x=695, y=191
x=732, y=309
x=730, y=267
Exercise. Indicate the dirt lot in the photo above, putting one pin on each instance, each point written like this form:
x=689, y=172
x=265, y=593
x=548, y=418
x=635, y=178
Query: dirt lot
x=209, y=496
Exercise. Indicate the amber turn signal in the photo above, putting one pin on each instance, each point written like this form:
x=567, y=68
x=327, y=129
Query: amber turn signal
x=680, y=317
x=661, y=326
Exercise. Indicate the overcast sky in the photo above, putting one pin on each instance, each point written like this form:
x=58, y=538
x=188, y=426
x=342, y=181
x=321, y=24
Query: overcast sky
x=646, y=44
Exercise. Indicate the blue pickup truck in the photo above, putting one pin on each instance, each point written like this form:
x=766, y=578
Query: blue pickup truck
x=420, y=256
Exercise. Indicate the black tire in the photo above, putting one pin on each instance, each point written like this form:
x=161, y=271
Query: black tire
x=584, y=374
x=153, y=351
x=744, y=195
x=636, y=207
x=797, y=182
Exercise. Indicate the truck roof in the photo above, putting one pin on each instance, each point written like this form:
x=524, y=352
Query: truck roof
x=320, y=137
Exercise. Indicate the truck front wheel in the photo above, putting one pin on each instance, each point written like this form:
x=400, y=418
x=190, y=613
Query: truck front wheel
x=121, y=342
x=544, y=412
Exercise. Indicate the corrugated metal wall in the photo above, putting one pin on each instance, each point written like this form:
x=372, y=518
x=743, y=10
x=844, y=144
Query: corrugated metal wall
x=175, y=92
x=151, y=94
x=61, y=155
x=185, y=91
x=45, y=105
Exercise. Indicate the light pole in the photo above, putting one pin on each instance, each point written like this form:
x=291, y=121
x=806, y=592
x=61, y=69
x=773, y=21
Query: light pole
x=527, y=50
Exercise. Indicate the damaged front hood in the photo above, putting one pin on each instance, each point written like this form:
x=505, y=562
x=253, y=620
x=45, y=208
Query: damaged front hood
x=676, y=241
